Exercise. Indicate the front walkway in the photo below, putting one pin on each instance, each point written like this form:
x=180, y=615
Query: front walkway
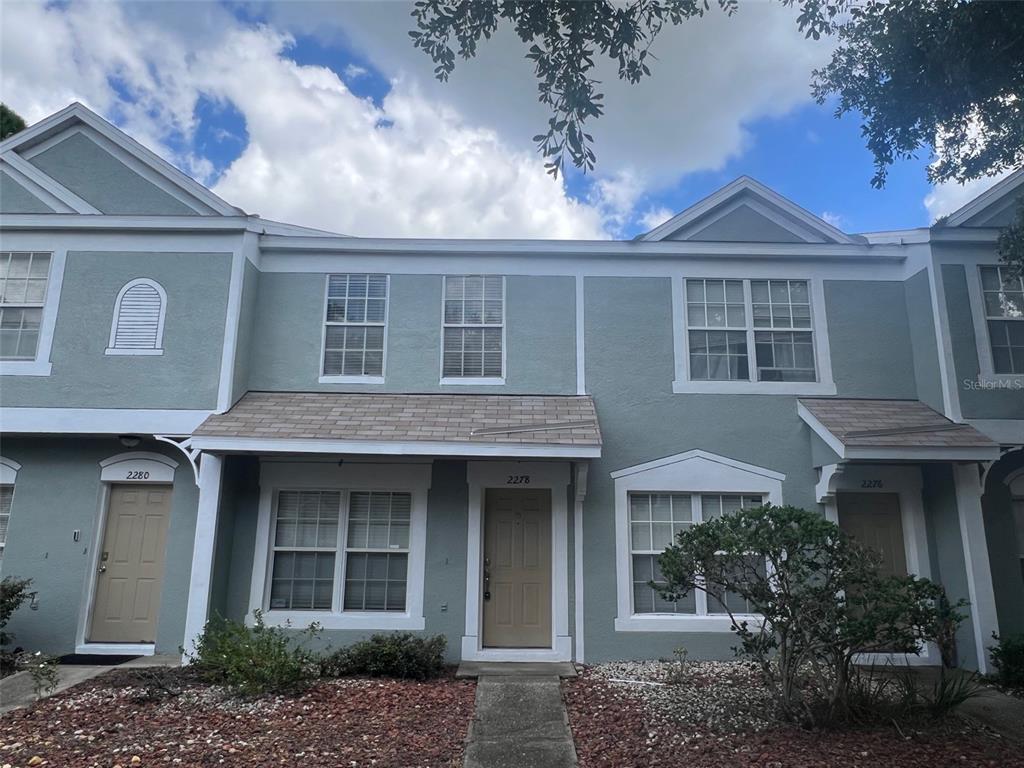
x=520, y=722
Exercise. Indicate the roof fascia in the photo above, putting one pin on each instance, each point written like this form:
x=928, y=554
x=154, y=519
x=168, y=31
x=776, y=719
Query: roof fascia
x=44, y=186
x=989, y=197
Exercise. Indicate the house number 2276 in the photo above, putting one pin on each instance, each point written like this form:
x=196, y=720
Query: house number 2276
x=518, y=480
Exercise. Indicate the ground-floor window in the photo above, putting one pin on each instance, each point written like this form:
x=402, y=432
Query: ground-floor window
x=6, y=500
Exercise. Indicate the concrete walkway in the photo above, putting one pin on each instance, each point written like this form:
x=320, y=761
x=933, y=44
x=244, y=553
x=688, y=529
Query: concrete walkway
x=520, y=723
x=1001, y=713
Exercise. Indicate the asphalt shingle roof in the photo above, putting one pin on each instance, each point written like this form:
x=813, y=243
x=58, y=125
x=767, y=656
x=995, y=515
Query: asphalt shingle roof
x=891, y=423
x=529, y=419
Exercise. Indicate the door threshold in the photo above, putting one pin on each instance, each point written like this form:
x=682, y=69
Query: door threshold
x=477, y=669
x=115, y=649
x=472, y=651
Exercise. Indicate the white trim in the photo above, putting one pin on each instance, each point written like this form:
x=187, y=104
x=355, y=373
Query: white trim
x=555, y=477
x=693, y=472
x=41, y=366
x=233, y=314
x=138, y=467
x=54, y=204
x=582, y=470
x=468, y=381
x=112, y=348
x=325, y=378
x=111, y=421
x=755, y=190
x=1009, y=481
x=396, y=448
x=115, y=649
x=8, y=471
x=350, y=379
x=56, y=191
x=475, y=380
x=825, y=385
x=203, y=549
x=806, y=234
x=93, y=555
x=581, y=342
x=944, y=344
x=413, y=478
x=984, y=619
x=1003, y=431
x=991, y=195
x=982, y=339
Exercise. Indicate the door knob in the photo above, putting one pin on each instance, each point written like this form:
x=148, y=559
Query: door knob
x=102, y=568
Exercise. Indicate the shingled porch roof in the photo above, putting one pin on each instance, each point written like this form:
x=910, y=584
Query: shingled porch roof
x=442, y=424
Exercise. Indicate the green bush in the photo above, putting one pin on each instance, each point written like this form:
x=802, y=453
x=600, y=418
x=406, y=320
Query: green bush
x=13, y=592
x=402, y=655
x=257, y=659
x=1008, y=659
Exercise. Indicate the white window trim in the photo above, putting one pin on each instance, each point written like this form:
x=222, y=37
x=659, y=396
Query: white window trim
x=158, y=349
x=693, y=472
x=138, y=467
x=8, y=476
x=413, y=478
x=476, y=381
x=41, y=366
x=982, y=339
x=819, y=328
x=325, y=378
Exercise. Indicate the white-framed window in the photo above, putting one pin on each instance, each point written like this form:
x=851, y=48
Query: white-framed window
x=138, y=324
x=1003, y=297
x=6, y=500
x=377, y=551
x=305, y=550
x=24, y=277
x=654, y=521
x=355, y=327
x=473, y=329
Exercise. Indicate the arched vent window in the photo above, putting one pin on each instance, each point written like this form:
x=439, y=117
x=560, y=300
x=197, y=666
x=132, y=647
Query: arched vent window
x=138, y=327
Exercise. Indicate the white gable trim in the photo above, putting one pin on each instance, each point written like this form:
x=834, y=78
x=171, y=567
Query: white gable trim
x=804, y=233
x=56, y=195
x=700, y=456
x=989, y=197
x=758, y=190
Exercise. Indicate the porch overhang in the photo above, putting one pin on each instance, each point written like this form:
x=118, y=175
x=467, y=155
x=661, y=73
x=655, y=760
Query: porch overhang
x=892, y=430
x=495, y=426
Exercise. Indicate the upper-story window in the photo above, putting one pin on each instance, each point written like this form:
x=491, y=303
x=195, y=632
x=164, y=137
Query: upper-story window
x=138, y=324
x=738, y=330
x=23, y=280
x=355, y=326
x=1004, y=314
x=474, y=328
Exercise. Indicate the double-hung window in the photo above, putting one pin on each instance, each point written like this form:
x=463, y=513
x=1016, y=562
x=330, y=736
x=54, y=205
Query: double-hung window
x=654, y=521
x=23, y=281
x=377, y=551
x=1004, y=314
x=749, y=330
x=355, y=326
x=6, y=500
x=474, y=328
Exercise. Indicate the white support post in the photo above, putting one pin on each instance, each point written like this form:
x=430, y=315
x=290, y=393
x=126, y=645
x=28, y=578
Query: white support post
x=581, y=495
x=210, y=472
x=979, y=572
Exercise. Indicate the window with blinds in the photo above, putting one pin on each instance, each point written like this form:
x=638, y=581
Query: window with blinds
x=356, y=323
x=23, y=280
x=474, y=327
x=6, y=499
x=138, y=325
x=1003, y=293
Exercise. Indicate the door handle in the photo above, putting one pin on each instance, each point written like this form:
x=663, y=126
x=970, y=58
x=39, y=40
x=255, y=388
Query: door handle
x=101, y=569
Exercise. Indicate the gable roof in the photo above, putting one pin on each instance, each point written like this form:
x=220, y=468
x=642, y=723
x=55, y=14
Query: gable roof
x=750, y=193
x=989, y=203
x=143, y=161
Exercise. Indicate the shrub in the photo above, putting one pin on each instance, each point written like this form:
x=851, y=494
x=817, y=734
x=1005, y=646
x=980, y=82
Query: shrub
x=13, y=592
x=821, y=596
x=1008, y=659
x=402, y=655
x=257, y=659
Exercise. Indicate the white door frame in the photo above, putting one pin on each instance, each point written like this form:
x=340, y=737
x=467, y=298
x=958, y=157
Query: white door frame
x=552, y=476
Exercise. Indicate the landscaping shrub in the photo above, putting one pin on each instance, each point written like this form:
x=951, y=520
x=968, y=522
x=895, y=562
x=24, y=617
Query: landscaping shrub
x=13, y=593
x=1008, y=659
x=821, y=596
x=400, y=655
x=257, y=659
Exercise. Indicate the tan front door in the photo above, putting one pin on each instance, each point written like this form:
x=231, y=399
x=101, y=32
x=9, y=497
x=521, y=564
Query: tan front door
x=131, y=565
x=517, y=569
x=874, y=520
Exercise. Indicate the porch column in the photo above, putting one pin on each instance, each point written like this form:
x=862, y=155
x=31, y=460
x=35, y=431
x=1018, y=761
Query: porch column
x=210, y=472
x=979, y=572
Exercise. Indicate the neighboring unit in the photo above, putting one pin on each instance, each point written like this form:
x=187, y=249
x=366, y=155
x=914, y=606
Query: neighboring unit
x=207, y=412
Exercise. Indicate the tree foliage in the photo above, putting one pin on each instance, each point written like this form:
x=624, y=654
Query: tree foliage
x=820, y=596
x=10, y=122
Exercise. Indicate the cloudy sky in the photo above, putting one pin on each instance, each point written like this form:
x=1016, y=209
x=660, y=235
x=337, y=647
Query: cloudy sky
x=323, y=114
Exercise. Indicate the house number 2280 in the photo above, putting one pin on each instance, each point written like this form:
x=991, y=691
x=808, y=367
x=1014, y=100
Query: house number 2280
x=518, y=480
x=137, y=475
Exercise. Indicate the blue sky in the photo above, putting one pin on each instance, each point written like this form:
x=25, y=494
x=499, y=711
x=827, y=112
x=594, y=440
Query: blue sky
x=324, y=115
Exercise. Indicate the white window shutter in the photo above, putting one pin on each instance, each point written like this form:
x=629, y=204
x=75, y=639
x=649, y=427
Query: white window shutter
x=138, y=319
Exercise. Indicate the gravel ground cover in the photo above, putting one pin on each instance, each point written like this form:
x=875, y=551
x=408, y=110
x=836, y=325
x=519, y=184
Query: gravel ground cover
x=345, y=722
x=718, y=714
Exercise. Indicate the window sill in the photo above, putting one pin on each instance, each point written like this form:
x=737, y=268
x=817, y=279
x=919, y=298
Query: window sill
x=754, y=387
x=351, y=379
x=668, y=622
x=147, y=352
x=351, y=620
x=25, y=367
x=473, y=381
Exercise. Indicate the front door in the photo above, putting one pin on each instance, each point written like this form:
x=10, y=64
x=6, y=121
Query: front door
x=131, y=565
x=517, y=569
x=874, y=520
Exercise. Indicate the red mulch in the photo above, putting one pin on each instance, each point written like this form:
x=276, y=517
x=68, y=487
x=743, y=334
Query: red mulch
x=613, y=729
x=380, y=723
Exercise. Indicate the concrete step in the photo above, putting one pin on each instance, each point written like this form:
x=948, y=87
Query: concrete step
x=474, y=669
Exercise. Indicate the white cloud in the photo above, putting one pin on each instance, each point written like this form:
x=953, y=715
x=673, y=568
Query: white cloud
x=947, y=197
x=354, y=72
x=655, y=217
x=835, y=219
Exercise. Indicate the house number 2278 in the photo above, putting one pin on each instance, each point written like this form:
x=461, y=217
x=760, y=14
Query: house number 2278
x=871, y=484
x=518, y=480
